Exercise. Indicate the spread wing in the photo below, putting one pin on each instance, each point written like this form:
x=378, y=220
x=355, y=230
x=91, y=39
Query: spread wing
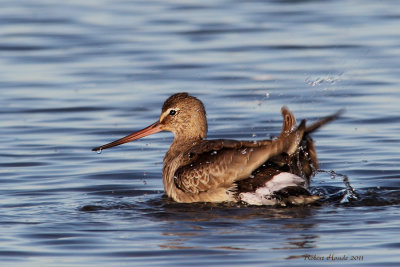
x=219, y=163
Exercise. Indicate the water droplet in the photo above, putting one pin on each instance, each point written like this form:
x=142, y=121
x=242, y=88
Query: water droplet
x=214, y=152
x=99, y=151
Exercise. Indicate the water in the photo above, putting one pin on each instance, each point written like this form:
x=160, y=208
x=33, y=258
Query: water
x=78, y=74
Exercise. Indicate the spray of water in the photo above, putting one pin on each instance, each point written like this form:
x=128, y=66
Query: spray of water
x=350, y=193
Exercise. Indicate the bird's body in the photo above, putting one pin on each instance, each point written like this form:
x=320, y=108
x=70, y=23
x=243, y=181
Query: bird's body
x=261, y=172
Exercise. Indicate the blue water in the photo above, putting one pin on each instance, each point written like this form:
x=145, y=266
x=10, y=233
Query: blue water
x=78, y=74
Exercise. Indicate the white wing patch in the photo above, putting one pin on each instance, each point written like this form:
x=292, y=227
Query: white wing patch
x=264, y=195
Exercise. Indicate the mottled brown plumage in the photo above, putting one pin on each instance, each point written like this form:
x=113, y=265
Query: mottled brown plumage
x=200, y=170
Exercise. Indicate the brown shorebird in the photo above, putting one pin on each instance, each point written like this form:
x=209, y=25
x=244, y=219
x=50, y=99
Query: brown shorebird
x=264, y=172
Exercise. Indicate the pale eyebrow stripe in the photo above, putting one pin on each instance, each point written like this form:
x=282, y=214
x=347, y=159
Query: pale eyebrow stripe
x=164, y=115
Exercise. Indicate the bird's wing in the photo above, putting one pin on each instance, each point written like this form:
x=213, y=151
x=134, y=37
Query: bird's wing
x=219, y=163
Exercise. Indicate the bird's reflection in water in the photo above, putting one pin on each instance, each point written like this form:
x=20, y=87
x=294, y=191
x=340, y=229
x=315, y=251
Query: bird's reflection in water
x=233, y=227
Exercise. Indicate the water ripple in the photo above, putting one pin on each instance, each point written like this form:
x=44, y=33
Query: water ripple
x=77, y=74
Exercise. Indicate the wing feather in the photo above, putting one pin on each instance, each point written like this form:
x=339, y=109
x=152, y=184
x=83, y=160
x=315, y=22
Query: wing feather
x=219, y=163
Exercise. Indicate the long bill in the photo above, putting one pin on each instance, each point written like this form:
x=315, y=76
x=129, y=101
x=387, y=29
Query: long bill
x=154, y=128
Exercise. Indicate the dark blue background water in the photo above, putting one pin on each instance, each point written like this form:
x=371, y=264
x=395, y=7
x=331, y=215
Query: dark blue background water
x=78, y=74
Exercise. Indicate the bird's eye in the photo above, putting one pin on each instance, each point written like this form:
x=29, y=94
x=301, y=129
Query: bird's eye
x=172, y=112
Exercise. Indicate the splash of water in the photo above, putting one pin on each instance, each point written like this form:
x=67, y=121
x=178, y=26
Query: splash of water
x=350, y=193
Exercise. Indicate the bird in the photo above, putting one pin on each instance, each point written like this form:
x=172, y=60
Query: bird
x=273, y=171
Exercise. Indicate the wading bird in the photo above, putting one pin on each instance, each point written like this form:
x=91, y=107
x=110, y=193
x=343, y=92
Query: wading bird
x=264, y=172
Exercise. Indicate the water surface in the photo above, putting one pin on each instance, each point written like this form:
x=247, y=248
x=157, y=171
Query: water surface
x=79, y=74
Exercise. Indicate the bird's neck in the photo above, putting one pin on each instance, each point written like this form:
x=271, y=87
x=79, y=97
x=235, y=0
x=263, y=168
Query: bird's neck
x=174, y=159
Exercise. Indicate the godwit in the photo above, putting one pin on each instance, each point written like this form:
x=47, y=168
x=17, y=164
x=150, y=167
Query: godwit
x=265, y=172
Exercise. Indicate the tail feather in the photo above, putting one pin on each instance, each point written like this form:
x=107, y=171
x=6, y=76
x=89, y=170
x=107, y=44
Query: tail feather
x=289, y=127
x=303, y=160
x=284, y=179
x=323, y=121
x=289, y=120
